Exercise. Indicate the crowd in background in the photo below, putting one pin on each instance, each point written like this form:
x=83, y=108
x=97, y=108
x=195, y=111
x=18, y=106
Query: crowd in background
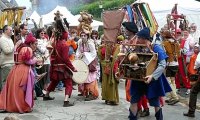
x=26, y=67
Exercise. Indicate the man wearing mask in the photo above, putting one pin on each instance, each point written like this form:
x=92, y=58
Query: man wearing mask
x=6, y=54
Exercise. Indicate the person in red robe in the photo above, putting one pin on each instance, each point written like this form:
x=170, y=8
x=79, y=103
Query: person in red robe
x=61, y=67
x=182, y=70
x=17, y=94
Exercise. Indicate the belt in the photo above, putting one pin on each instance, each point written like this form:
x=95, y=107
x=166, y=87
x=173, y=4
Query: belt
x=58, y=64
x=17, y=63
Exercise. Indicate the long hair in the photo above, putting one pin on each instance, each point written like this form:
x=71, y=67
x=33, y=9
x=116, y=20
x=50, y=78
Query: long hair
x=60, y=28
x=38, y=33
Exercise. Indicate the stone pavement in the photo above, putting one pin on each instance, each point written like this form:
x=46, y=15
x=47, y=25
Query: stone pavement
x=94, y=110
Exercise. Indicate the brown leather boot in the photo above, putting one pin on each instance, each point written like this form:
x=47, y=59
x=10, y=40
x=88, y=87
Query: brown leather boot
x=45, y=98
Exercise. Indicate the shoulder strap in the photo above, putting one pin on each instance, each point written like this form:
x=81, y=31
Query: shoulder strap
x=58, y=53
x=61, y=58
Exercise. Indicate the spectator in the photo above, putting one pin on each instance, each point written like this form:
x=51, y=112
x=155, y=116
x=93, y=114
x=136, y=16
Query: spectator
x=194, y=32
x=18, y=90
x=6, y=54
x=194, y=92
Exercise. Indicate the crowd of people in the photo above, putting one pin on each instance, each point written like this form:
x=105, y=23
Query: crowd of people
x=45, y=59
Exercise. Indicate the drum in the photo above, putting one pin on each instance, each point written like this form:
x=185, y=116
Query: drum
x=83, y=71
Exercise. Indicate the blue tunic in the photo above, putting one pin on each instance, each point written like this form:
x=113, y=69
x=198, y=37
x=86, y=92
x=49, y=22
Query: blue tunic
x=155, y=88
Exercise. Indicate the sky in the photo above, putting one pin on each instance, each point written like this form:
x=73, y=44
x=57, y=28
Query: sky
x=26, y=3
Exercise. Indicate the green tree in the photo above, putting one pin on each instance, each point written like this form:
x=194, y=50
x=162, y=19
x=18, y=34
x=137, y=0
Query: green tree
x=92, y=6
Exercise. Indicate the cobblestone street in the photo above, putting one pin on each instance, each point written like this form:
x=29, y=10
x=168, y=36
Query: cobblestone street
x=95, y=110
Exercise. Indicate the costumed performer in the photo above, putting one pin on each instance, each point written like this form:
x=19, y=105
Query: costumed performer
x=156, y=84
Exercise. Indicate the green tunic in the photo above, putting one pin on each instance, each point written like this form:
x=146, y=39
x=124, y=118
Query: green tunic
x=109, y=82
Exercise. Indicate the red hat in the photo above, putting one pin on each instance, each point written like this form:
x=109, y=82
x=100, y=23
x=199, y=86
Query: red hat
x=30, y=39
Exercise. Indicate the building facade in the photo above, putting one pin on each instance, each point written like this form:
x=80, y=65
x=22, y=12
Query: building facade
x=6, y=4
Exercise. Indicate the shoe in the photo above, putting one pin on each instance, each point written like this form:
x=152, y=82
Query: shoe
x=80, y=94
x=188, y=114
x=159, y=115
x=187, y=92
x=67, y=104
x=3, y=111
x=88, y=99
x=113, y=103
x=173, y=102
x=168, y=101
x=139, y=113
x=48, y=98
x=145, y=113
x=107, y=102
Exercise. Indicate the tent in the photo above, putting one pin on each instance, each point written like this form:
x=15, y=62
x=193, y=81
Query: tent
x=73, y=20
x=49, y=17
x=34, y=16
x=161, y=8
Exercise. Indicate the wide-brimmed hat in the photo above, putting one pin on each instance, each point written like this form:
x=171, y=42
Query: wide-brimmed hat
x=130, y=26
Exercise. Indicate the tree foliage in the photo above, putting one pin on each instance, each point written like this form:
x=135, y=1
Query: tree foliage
x=92, y=6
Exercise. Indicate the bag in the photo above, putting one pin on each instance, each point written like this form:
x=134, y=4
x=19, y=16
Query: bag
x=92, y=65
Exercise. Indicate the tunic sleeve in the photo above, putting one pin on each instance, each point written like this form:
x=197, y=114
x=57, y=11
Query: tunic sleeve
x=27, y=55
x=91, y=55
x=6, y=47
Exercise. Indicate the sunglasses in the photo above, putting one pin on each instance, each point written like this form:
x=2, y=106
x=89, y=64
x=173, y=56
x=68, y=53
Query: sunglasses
x=83, y=35
x=42, y=33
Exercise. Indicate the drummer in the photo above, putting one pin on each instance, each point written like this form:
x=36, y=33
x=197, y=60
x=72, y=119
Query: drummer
x=86, y=51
